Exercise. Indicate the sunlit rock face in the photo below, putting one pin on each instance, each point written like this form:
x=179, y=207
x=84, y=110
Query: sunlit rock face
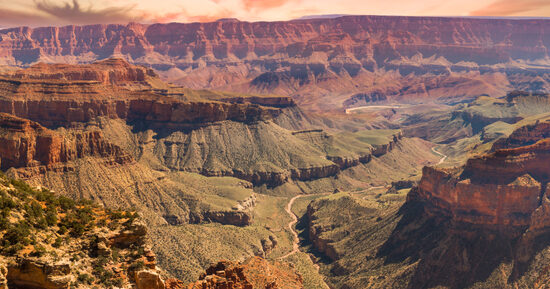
x=505, y=190
x=419, y=58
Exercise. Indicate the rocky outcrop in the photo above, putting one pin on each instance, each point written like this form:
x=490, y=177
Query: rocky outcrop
x=315, y=235
x=525, y=135
x=379, y=150
x=111, y=71
x=253, y=273
x=27, y=273
x=148, y=279
x=25, y=143
x=383, y=149
x=363, y=98
x=505, y=191
x=240, y=215
x=236, y=218
x=135, y=234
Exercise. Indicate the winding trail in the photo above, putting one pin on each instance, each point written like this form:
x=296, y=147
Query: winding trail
x=372, y=107
x=296, y=240
x=443, y=157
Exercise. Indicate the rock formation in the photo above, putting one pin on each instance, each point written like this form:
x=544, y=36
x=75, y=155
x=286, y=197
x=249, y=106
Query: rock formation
x=198, y=125
x=504, y=190
x=253, y=273
x=61, y=95
x=418, y=57
x=25, y=143
x=53, y=242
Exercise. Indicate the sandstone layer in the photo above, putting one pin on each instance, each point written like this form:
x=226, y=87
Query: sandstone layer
x=415, y=57
x=505, y=190
x=24, y=143
x=61, y=95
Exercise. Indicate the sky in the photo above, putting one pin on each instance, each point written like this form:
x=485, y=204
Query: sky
x=63, y=12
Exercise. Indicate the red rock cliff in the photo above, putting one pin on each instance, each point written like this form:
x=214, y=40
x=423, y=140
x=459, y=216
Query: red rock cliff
x=368, y=38
x=505, y=190
x=24, y=143
x=58, y=95
x=287, y=56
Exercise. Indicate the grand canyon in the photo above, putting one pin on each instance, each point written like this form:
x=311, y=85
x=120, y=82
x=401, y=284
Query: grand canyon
x=322, y=152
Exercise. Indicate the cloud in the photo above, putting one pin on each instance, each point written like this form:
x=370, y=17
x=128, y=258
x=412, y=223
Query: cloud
x=10, y=17
x=74, y=13
x=511, y=8
x=263, y=4
x=165, y=18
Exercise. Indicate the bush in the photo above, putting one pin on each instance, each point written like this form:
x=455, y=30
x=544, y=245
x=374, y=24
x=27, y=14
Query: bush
x=136, y=266
x=58, y=242
x=18, y=234
x=86, y=279
x=39, y=251
x=16, y=238
x=51, y=216
x=65, y=203
x=23, y=190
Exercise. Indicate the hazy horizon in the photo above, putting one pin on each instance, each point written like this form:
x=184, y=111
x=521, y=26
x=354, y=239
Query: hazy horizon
x=36, y=13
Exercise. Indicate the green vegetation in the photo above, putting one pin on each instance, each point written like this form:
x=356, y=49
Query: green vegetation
x=36, y=223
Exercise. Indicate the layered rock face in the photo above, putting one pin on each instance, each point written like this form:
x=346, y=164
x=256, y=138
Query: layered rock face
x=110, y=71
x=60, y=95
x=418, y=57
x=24, y=143
x=505, y=190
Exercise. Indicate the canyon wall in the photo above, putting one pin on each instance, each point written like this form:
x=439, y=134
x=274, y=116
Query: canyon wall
x=418, y=58
x=504, y=190
x=24, y=143
x=369, y=42
x=60, y=95
x=210, y=133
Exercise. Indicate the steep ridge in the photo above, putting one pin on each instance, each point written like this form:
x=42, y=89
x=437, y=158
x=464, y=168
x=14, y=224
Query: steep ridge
x=116, y=89
x=194, y=131
x=24, y=143
x=416, y=57
x=501, y=190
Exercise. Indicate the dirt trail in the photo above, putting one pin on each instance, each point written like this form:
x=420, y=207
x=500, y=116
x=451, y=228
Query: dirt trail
x=296, y=240
x=443, y=157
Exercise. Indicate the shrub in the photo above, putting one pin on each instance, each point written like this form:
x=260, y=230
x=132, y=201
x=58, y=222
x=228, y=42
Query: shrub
x=51, y=216
x=17, y=234
x=58, y=242
x=65, y=203
x=39, y=251
x=136, y=266
x=86, y=278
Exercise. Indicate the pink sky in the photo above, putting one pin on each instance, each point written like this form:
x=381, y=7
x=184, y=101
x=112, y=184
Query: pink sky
x=61, y=12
